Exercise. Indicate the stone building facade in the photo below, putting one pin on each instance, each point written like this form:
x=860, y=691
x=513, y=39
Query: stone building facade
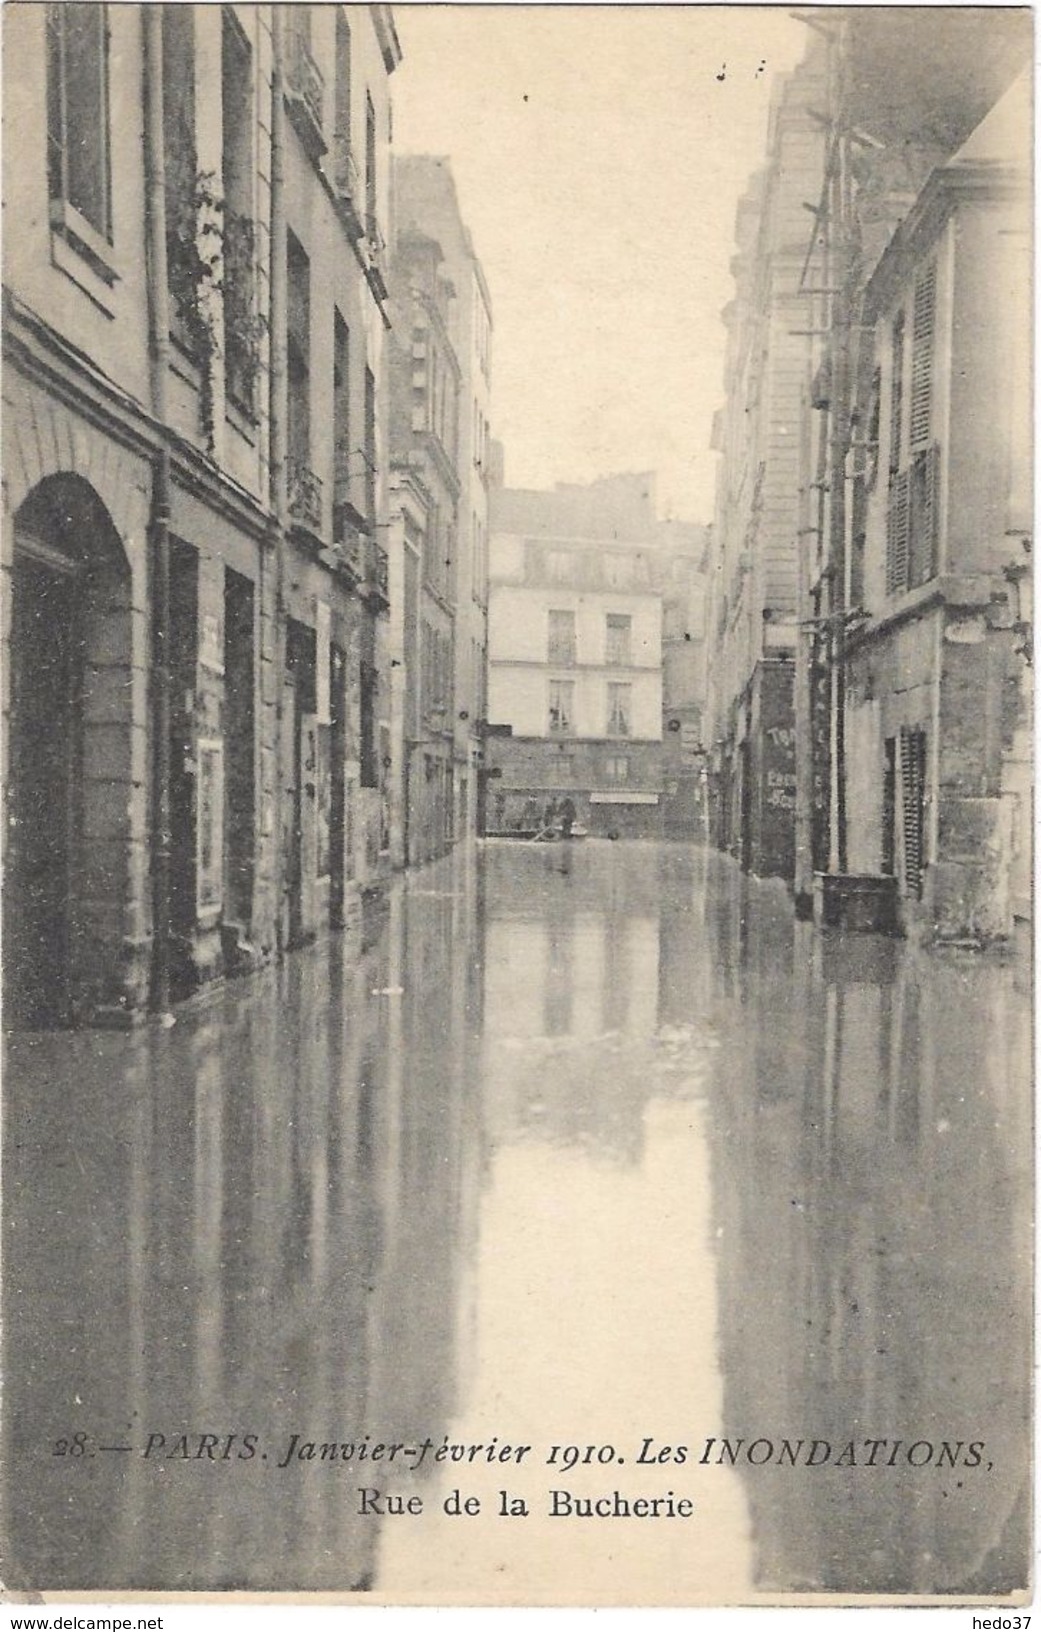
x=575, y=658
x=753, y=563
x=193, y=493
x=425, y=201
x=424, y=385
x=937, y=673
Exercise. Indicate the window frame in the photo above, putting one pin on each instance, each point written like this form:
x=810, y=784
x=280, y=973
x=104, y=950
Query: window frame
x=561, y=652
x=93, y=240
x=562, y=708
x=618, y=624
x=625, y=728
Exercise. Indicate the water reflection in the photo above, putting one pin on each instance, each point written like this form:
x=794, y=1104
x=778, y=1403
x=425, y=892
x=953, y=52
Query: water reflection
x=597, y=1142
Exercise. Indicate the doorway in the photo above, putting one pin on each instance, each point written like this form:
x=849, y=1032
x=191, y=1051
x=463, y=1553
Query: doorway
x=46, y=748
x=68, y=815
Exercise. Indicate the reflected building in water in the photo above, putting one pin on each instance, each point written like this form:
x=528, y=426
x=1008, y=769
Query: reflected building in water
x=594, y=1133
x=872, y=1163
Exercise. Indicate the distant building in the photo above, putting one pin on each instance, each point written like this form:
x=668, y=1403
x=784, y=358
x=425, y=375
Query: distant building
x=575, y=658
x=424, y=394
x=753, y=563
x=682, y=561
x=425, y=202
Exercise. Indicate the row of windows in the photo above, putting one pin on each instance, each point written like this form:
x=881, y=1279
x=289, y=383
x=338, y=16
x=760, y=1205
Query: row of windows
x=354, y=459
x=608, y=568
x=561, y=709
x=199, y=211
x=562, y=645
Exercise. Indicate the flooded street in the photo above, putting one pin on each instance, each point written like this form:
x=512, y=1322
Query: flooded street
x=598, y=1148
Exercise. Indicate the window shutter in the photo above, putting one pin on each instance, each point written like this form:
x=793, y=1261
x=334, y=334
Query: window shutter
x=912, y=777
x=897, y=530
x=923, y=516
x=896, y=394
x=922, y=355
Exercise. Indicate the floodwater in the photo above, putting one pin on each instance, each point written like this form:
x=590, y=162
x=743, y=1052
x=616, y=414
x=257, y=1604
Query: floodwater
x=596, y=1148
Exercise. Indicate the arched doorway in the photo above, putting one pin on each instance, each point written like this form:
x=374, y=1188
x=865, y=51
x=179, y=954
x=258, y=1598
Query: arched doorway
x=70, y=772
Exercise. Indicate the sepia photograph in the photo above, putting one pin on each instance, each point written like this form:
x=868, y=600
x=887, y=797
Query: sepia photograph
x=517, y=754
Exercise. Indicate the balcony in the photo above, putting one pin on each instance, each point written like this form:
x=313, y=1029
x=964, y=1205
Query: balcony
x=304, y=496
x=347, y=185
x=305, y=92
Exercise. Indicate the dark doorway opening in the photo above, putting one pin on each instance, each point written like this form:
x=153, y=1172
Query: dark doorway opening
x=71, y=788
x=45, y=786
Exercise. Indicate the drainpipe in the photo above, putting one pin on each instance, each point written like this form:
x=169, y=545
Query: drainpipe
x=159, y=357
x=277, y=439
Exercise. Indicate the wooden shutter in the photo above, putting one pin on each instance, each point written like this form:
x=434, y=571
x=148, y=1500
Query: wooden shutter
x=896, y=394
x=897, y=530
x=912, y=777
x=923, y=336
x=923, y=516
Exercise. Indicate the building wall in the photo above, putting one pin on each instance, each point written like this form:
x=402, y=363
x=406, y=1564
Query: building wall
x=425, y=199
x=613, y=776
x=942, y=651
x=268, y=632
x=753, y=575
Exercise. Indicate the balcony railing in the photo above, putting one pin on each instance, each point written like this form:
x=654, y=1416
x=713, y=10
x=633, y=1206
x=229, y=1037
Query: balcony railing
x=347, y=184
x=304, y=494
x=306, y=89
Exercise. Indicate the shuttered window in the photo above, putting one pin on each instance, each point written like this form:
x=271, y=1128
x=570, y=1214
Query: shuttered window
x=922, y=347
x=896, y=394
x=897, y=529
x=912, y=521
x=912, y=779
x=923, y=517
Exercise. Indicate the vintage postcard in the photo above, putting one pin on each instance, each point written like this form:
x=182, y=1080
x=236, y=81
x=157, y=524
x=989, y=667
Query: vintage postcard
x=517, y=749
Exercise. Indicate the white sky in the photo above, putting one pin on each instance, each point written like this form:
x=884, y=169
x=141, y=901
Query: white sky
x=599, y=161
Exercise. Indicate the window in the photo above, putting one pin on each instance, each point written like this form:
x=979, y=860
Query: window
x=341, y=422
x=912, y=779
x=561, y=637
x=616, y=768
x=558, y=566
x=561, y=707
x=298, y=336
x=78, y=162
x=896, y=394
x=241, y=328
x=183, y=262
x=922, y=337
x=370, y=168
x=619, y=710
x=343, y=77
x=912, y=523
x=618, y=649
x=922, y=516
x=369, y=776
